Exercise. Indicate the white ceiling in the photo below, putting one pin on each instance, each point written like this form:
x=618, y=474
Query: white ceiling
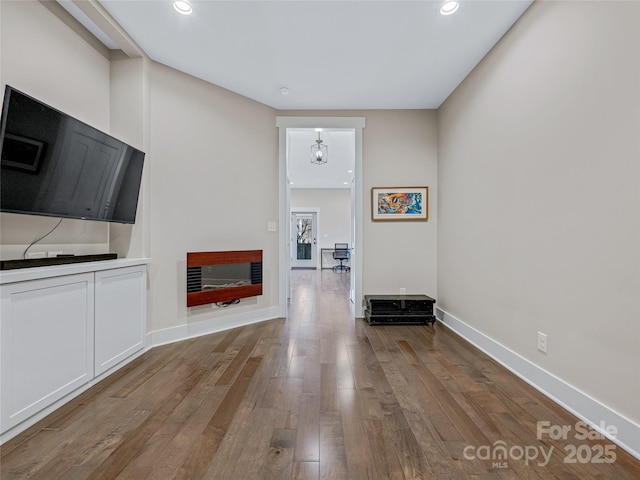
x=330, y=54
x=353, y=54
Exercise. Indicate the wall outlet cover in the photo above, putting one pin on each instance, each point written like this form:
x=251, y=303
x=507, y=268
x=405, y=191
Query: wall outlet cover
x=542, y=342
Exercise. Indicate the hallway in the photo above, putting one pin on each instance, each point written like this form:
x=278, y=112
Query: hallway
x=317, y=395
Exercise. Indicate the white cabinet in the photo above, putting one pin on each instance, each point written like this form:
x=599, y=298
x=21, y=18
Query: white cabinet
x=120, y=304
x=61, y=327
x=47, y=343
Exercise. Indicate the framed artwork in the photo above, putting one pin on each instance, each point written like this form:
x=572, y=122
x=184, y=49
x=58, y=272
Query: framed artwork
x=399, y=203
x=21, y=152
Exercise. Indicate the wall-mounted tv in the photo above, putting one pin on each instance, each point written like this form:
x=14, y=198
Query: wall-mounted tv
x=55, y=165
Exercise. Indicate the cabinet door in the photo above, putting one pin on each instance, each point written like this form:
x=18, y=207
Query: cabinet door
x=121, y=306
x=47, y=343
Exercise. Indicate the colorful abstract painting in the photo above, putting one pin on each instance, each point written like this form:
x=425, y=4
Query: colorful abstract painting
x=399, y=203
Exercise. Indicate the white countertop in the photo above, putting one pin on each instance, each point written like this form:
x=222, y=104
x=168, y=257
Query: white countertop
x=36, y=273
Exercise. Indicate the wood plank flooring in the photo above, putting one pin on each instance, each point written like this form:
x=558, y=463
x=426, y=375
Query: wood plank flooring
x=318, y=395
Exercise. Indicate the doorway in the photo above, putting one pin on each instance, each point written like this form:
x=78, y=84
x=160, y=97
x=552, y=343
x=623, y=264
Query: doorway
x=356, y=125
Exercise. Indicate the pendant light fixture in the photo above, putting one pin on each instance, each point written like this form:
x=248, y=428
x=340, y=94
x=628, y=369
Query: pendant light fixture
x=319, y=152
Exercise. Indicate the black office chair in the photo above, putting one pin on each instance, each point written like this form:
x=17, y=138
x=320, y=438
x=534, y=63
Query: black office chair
x=341, y=253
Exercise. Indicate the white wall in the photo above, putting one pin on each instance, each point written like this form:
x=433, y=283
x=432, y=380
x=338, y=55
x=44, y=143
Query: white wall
x=539, y=180
x=130, y=123
x=44, y=58
x=214, y=186
x=399, y=149
x=334, y=211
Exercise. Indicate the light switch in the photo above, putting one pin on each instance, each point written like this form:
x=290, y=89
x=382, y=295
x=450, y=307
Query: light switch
x=271, y=226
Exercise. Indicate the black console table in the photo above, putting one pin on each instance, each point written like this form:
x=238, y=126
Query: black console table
x=399, y=309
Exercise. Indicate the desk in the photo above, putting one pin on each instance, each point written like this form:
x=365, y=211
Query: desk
x=326, y=258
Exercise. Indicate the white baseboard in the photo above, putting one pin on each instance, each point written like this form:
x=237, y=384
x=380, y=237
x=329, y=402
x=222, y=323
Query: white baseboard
x=583, y=406
x=205, y=327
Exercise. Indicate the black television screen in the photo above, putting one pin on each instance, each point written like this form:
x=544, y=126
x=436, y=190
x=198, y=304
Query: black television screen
x=55, y=165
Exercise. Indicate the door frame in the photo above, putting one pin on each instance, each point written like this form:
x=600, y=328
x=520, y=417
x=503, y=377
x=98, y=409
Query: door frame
x=284, y=205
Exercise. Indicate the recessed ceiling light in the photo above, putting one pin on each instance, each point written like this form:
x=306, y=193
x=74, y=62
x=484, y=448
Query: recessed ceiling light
x=183, y=7
x=349, y=171
x=449, y=8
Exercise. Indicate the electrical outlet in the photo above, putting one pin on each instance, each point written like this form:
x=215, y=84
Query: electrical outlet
x=403, y=291
x=542, y=342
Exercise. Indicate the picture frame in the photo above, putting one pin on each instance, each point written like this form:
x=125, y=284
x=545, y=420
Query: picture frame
x=399, y=203
x=21, y=152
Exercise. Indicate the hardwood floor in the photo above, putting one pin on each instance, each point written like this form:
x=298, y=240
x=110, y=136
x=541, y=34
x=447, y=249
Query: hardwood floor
x=316, y=395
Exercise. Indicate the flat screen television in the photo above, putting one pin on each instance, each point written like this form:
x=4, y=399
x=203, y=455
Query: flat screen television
x=55, y=165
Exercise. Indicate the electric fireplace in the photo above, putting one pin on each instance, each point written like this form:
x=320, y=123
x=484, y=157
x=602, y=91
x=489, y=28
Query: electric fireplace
x=223, y=277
